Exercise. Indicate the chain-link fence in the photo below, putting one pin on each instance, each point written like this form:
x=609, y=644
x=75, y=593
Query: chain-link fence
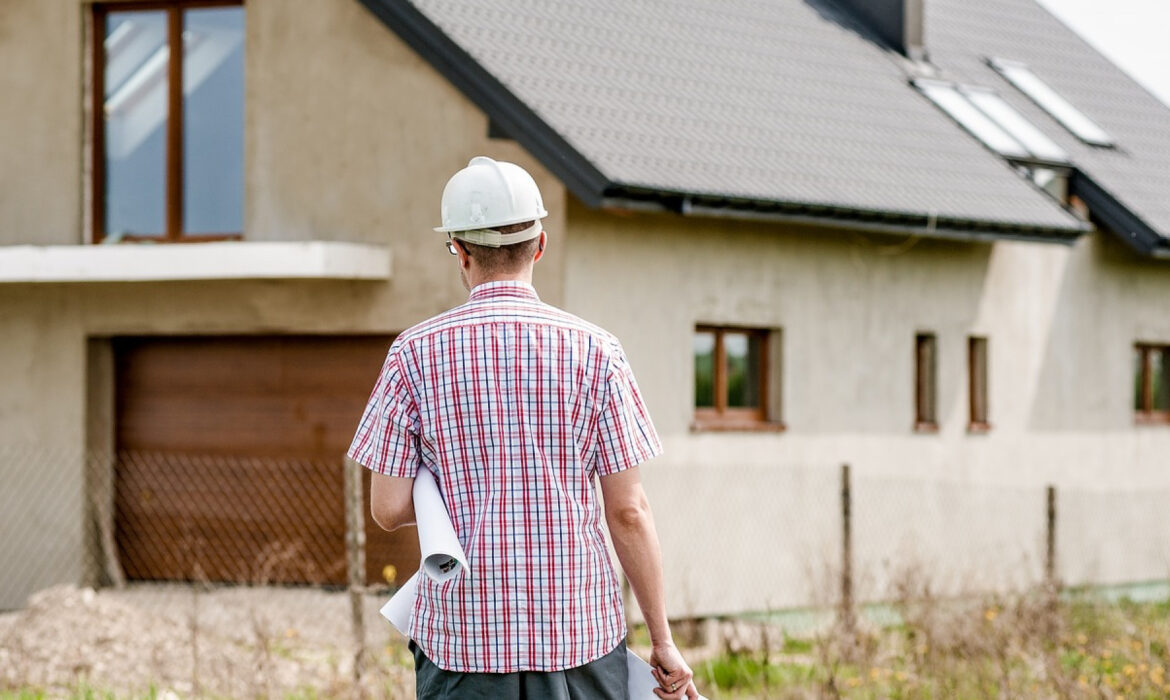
x=251, y=575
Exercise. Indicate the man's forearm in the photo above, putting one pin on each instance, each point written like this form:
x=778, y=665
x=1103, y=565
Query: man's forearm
x=636, y=542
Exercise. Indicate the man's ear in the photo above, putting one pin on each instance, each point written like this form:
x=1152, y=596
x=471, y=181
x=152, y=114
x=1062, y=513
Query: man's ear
x=540, y=247
x=464, y=258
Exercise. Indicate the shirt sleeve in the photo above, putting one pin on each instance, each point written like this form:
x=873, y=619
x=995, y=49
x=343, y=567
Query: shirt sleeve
x=387, y=436
x=626, y=434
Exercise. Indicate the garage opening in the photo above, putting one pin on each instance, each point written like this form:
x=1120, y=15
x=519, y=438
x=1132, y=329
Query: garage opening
x=230, y=459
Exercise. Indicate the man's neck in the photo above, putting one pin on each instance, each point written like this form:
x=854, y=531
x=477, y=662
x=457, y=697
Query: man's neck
x=474, y=280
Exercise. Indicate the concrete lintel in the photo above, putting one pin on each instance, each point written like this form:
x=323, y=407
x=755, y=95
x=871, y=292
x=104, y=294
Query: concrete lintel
x=233, y=260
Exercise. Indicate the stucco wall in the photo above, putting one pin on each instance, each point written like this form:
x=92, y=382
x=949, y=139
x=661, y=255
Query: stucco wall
x=349, y=136
x=749, y=520
x=40, y=144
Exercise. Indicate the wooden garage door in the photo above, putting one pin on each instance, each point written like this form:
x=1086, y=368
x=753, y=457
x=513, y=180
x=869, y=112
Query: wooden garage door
x=230, y=458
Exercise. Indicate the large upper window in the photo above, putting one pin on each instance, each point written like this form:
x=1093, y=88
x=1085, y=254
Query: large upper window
x=168, y=122
x=732, y=376
x=1151, y=395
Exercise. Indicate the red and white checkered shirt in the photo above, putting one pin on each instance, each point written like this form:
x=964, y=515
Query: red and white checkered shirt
x=515, y=405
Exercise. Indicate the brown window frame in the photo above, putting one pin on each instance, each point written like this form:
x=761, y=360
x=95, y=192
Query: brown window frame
x=977, y=384
x=1145, y=414
x=926, y=382
x=173, y=232
x=724, y=417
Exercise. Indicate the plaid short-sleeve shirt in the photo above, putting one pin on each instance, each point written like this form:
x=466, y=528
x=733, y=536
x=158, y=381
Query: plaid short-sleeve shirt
x=515, y=406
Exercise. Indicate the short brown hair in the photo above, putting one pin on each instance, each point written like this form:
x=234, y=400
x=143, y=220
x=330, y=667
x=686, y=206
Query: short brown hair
x=507, y=258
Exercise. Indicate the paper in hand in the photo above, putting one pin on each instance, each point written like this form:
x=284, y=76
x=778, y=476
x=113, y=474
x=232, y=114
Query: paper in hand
x=442, y=555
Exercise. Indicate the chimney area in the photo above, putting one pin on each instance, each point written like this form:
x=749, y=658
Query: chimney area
x=898, y=22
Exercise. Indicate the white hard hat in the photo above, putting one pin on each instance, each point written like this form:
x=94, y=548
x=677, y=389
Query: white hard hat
x=486, y=195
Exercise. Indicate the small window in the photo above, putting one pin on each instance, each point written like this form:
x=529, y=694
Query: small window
x=731, y=377
x=977, y=384
x=1051, y=101
x=168, y=120
x=1152, y=383
x=925, y=382
x=994, y=122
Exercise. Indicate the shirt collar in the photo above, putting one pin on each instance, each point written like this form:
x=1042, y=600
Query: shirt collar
x=503, y=289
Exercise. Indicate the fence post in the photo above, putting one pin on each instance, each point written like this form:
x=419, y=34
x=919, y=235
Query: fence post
x=355, y=545
x=1050, y=543
x=1051, y=584
x=847, y=618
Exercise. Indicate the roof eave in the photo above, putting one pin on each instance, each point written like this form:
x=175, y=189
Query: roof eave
x=898, y=223
x=1119, y=219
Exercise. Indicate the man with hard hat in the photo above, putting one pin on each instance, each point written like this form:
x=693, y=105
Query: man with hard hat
x=516, y=406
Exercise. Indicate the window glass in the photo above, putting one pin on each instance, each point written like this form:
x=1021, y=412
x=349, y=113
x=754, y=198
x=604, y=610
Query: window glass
x=704, y=350
x=1015, y=124
x=743, y=369
x=1051, y=101
x=1160, y=378
x=1139, y=377
x=977, y=358
x=972, y=119
x=213, y=120
x=925, y=379
x=135, y=106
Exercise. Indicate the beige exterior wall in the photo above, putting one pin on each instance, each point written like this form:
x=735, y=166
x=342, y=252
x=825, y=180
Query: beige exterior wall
x=749, y=521
x=40, y=144
x=349, y=136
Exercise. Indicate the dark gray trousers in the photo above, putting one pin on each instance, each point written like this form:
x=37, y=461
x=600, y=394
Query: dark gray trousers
x=606, y=678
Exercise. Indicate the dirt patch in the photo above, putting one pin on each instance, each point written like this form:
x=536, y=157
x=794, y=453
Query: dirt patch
x=195, y=641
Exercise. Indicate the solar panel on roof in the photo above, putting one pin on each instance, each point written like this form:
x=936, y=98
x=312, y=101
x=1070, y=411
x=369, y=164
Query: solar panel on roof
x=1027, y=82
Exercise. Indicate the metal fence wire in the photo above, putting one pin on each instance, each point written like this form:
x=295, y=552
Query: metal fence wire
x=252, y=575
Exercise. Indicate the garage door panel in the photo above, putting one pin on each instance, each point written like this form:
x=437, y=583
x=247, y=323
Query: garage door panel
x=230, y=458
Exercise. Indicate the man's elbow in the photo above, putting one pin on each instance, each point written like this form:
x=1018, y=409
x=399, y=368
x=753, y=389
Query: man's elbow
x=389, y=517
x=630, y=517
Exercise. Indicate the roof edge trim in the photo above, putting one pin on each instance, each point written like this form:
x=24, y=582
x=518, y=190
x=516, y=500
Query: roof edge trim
x=902, y=223
x=1117, y=218
x=582, y=178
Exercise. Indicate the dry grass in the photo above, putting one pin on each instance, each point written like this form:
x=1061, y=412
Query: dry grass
x=1025, y=645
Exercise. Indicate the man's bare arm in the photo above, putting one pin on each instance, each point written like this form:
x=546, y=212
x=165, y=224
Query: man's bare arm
x=631, y=525
x=391, y=501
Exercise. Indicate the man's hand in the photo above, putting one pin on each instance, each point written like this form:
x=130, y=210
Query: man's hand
x=672, y=673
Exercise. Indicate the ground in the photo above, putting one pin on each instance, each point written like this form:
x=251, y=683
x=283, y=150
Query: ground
x=165, y=642
x=187, y=641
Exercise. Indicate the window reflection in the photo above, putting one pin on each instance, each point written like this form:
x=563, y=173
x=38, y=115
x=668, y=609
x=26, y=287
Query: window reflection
x=213, y=120
x=704, y=351
x=135, y=116
x=743, y=369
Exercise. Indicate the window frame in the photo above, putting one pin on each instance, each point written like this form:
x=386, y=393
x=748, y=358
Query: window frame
x=724, y=417
x=978, y=379
x=925, y=383
x=173, y=187
x=1145, y=414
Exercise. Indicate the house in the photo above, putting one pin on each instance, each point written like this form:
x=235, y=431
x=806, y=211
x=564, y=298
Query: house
x=929, y=240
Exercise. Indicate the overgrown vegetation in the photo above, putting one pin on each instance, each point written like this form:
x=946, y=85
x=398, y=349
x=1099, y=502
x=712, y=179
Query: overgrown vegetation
x=1005, y=646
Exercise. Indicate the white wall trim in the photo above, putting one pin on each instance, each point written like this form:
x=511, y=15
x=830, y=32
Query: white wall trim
x=233, y=260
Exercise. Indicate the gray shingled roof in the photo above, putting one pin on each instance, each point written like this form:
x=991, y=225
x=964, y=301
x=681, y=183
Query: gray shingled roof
x=962, y=34
x=750, y=100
